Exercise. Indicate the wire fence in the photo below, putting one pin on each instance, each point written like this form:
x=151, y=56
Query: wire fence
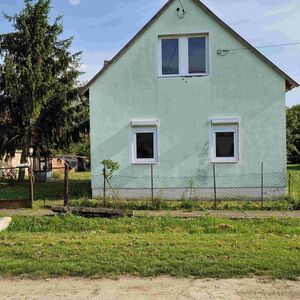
x=216, y=187
x=46, y=186
x=60, y=185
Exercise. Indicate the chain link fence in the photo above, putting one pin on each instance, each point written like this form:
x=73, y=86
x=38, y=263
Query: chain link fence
x=60, y=186
x=216, y=187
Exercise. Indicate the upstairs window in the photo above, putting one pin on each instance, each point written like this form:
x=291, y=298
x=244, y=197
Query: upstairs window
x=183, y=55
x=170, y=57
x=197, y=55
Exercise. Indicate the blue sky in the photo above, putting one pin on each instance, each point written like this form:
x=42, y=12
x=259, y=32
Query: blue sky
x=101, y=28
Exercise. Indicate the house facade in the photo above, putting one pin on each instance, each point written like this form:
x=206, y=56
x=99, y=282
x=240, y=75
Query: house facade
x=185, y=93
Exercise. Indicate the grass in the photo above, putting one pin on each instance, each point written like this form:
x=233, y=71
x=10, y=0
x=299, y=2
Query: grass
x=79, y=187
x=204, y=247
x=189, y=205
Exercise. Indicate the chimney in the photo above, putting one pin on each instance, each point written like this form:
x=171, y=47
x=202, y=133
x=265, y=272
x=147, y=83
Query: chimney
x=106, y=62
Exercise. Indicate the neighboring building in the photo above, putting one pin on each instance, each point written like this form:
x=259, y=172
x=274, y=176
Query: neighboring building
x=177, y=98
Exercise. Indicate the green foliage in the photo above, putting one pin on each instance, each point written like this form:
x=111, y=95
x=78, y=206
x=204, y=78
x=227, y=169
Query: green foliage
x=110, y=167
x=293, y=132
x=39, y=103
x=80, y=148
x=190, y=205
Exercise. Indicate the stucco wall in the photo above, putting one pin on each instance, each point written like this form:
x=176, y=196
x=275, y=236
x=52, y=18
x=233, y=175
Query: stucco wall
x=238, y=85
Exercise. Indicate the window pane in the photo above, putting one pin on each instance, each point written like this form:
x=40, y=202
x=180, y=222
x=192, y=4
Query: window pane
x=197, y=53
x=144, y=145
x=170, y=59
x=224, y=144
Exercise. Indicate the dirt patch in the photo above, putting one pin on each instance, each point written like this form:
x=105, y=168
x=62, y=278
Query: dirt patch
x=148, y=288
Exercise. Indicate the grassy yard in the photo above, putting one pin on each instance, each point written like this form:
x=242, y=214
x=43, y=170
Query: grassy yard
x=79, y=187
x=204, y=247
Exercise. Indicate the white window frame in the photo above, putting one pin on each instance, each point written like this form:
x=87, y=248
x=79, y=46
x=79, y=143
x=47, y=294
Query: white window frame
x=183, y=55
x=145, y=127
x=225, y=127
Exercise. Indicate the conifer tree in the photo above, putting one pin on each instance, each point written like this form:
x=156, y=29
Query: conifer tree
x=39, y=103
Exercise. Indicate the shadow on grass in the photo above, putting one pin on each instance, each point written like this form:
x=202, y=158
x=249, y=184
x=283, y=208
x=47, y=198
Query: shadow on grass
x=295, y=167
x=54, y=190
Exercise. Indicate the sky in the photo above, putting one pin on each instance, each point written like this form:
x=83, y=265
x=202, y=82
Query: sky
x=102, y=27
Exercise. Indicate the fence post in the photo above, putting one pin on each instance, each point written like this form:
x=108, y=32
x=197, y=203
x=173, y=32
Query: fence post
x=262, y=185
x=30, y=186
x=104, y=185
x=152, y=194
x=215, y=187
x=44, y=187
x=66, y=185
x=289, y=185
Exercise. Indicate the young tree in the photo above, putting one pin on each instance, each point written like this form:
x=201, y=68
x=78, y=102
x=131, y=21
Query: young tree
x=39, y=103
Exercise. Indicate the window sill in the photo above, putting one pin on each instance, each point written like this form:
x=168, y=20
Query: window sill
x=225, y=161
x=183, y=76
x=144, y=163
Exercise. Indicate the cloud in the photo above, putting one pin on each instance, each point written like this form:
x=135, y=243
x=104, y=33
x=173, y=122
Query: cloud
x=83, y=67
x=282, y=10
x=74, y=2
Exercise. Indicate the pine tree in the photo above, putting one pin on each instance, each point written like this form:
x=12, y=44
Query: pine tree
x=39, y=103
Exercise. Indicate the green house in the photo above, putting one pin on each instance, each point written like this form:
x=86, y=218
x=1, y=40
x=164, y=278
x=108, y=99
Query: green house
x=188, y=97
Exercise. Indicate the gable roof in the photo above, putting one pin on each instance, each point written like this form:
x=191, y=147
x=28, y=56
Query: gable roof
x=290, y=82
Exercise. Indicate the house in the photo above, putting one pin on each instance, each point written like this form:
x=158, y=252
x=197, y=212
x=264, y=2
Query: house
x=187, y=92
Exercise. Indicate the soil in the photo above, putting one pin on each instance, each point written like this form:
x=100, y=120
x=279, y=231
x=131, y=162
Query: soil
x=148, y=288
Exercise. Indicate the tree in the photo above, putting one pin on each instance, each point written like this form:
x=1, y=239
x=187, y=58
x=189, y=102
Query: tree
x=39, y=103
x=293, y=133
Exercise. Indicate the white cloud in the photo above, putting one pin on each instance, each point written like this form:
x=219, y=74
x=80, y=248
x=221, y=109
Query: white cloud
x=83, y=67
x=74, y=2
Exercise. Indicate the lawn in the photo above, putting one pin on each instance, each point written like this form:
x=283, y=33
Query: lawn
x=204, y=247
x=79, y=187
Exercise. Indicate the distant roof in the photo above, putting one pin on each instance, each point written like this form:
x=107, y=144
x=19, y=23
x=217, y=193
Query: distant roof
x=290, y=82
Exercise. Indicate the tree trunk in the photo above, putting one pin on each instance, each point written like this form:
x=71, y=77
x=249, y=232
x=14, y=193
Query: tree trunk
x=24, y=156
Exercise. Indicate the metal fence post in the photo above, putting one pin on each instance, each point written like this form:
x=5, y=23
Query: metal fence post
x=30, y=186
x=66, y=185
x=104, y=185
x=152, y=194
x=262, y=185
x=215, y=187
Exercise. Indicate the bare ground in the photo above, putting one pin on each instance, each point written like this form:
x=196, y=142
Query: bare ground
x=234, y=214
x=148, y=288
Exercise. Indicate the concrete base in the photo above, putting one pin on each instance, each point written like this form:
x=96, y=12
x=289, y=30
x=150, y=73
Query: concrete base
x=238, y=193
x=4, y=223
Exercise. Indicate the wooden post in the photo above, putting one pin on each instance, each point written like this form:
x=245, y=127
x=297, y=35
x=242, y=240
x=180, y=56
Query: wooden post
x=66, y=185
x=215, y=186
x=289, y=185
x=30, y=174
x=45, y=178
x=104, y=185
x=152, y=194
x=262, y=185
